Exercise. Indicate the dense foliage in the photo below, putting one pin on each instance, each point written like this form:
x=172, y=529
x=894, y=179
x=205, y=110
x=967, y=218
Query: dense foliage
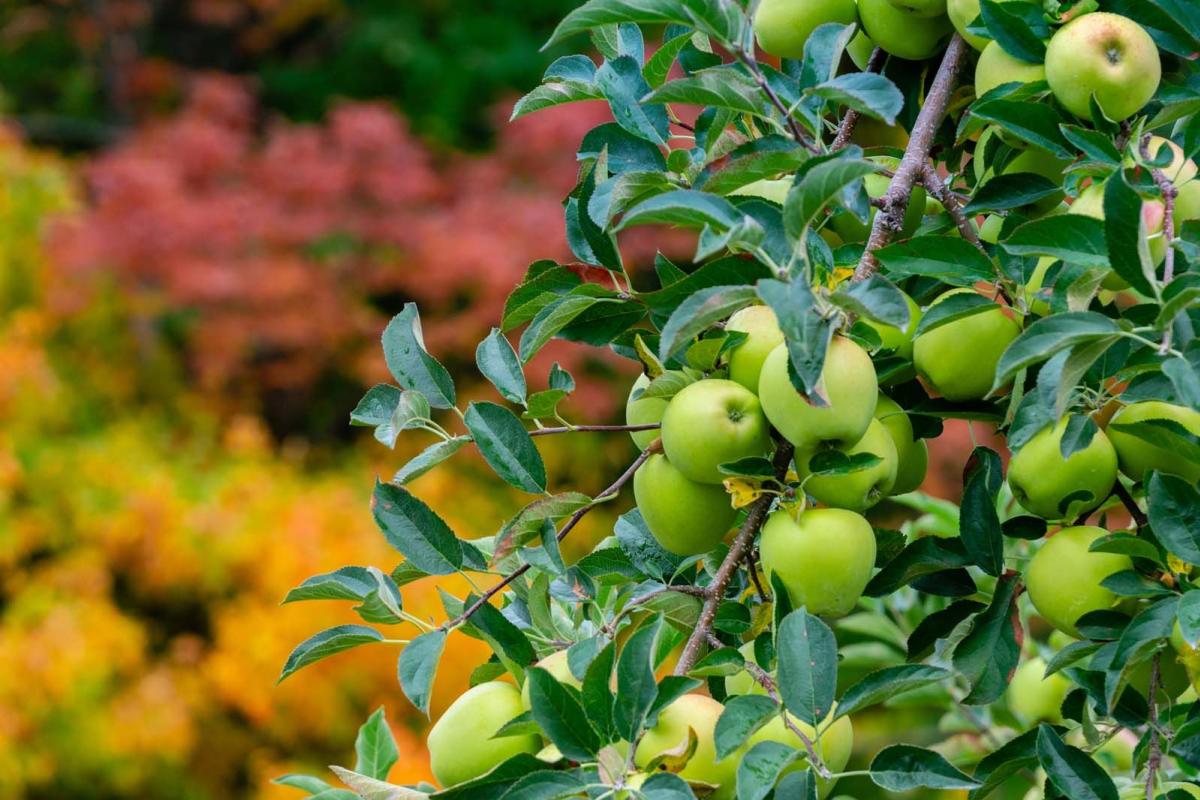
x=675, y=661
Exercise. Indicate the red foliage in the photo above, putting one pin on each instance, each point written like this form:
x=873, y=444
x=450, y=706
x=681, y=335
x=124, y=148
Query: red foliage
x=292, y=246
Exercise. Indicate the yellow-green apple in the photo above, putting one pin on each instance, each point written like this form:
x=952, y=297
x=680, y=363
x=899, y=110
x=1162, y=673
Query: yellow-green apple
x=783, y=26
x=460, y=743
x=1103, y=55
x=996, y=67
x=861, y=489
x=1186, y=655
x=1064, y=577
x=824, y=559
x=959, y=358
x=912, y=455
x=859, y=50
x=743, y=682
x=686, y=517
x=895, y=339
x=903, y=33
x=643, y=411
x=871, y=132
x=1137, y=456
x=670, y=735
x=1042, y=480
x=556, y=665
x=834, y=745
x=848, y=384
x=713, y=422
x=762, y=336
x=851, y=229
x=773, y=189
x=1035, y=698
x=921, y=8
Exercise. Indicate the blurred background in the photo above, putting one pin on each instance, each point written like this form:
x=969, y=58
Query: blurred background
x=208, y=211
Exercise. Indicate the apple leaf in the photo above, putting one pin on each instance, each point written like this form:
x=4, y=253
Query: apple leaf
x=807, y=668
x=901, y=767
x=1072, y=771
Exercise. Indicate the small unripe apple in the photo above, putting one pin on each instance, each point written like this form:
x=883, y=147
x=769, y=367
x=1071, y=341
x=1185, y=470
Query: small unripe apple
x=850, y=388
x=687, y=518
x=556, y=664
x=643, y=411
x=670, y=733
x=834, y=745
x=1064, y=577
x=1035, y=698
x=960, y=357
x=895, y=339
x=859, y=50
x=1106, y=55
x=825, y=559
x=713, y=422
x=743, y=682
x=859, y=490
x=996, y=67
x=783, y=26
x=1137, y=456
x=762, y=336
x=1041, y=479
x=912, y=455
x=851, y=229
x=903, y=33
x=460, y=743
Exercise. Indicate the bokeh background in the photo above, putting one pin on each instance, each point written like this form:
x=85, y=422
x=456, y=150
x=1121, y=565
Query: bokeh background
x=208, y=211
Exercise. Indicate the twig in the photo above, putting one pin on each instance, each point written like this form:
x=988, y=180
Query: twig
x=1155, y=759
x=916, y=156
x=649, y=426
x=741, y=544
x=1139, y=518
x=610, y=627
x=941, y=192
x=756, y=72
x=1169, y=193
x=572, y=521
x=758, y=587
x=850, y=120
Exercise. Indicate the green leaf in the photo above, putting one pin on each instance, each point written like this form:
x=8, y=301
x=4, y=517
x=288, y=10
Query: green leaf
x=875, y=298
x=551, y=319
x=621, y=192
x=658, y=67
x=636, y=686
x=820, y=184
x=347, y=583
x=726, y=86
x=328, y=642
x=1094, y=144
x=415, y=530
x=554, y=93
x=866, y=92
x=743, y=715
x=429, y=458
x=1020, y=31
x=498, y=362
x=543, y=404
x=1173, y=510
x=377, y=405
x=925, y=556
x=410, y=364
x=620, y=81
x=1125, y=233
x=888, y=682
x=505, y=638
x=807, y=666
x=1048, y=336
x=1009, y=191
x=939, y=625
x=375, y=749
x=721, y=662
x=528, y=523
x=506, y=446
x=367, y=788
x=543, y=280
x=949, y=259
x=805, y=332
x=996, y=768
x=418, y=667
x=666, y=786
x=698, y=313
x=1036, y=123
x=1189, y=617
x=955, y=307
x=759, y=159
x=642, y=548
x=988, y=655
x=836, y=462
x=494, y=784
x=684, y=207
x=760, y=768
x=561, y=716
x=901, y=767
x=1165, y=433
x=1073, y=773
x=979, y=524
x=708, y=16
x=1073, y=238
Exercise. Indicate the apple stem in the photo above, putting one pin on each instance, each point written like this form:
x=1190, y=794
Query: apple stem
x=1136, y=513
x=916, y=156
x=850, y=120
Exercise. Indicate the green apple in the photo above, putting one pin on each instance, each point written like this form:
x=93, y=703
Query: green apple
x=556, y=665
x=1035, y=698
x=1103, y=55
x=851, y=229
x=460, y=743
x=1137, y=456
x=835, y=743
x=859, y=490
x=912, y=455
x=871, y=132
x=921, y=8
x=670, y=735
x=996, y=67
x=1064, y=577
x=989, y=231
x=859, y=50
x=743, y=682
x=773, y=189
x=1090, y=203
x=1042, y=480
x=825, y=559
x=959, y=358
x=713, y=422
x=762, y=336
x=643, y=411
x=1031, y=158
x=894, y=339
x=1186, y=656
x=850, y=388
x=783, y=26
x=903, y=33
x=686, y=517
